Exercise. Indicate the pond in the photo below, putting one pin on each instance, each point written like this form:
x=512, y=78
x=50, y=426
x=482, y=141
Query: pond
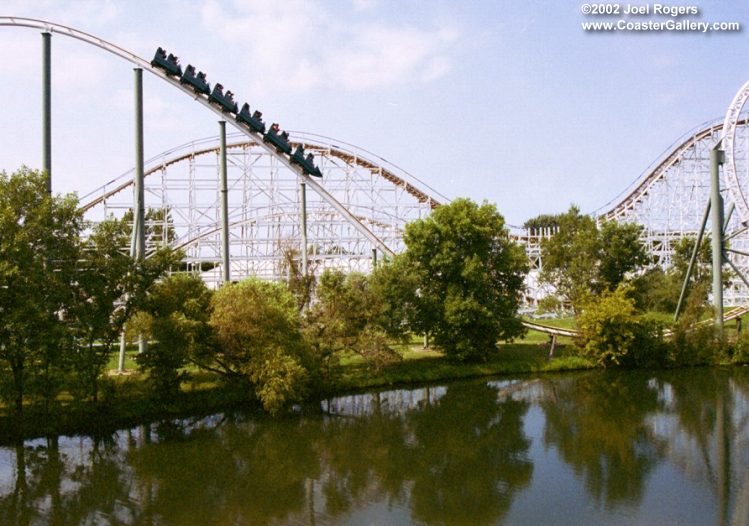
x=580, y=448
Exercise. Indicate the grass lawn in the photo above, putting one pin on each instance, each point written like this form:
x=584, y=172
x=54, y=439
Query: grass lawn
x=126, y=400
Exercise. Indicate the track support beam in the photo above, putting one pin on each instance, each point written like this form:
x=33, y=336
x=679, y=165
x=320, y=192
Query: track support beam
x=224, y=204
x=716, y=220
x=47, y=108
x=303, y=225
x=138, y=242
x=692, y=260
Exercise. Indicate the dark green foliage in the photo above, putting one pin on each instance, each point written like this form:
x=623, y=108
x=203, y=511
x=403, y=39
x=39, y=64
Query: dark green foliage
x=300, y=285
x=541, y=222
x=259, y=340
x=347, y=317
x=656, y=290
x=701, y=277
x=104, y=274
x=582, y=259
x=695, y=342
x=740, y=349
x=570, y=257
x=612, y=333
x=703, y=268
x=63, y=300
x=179, y=309
x=460, y=279
x=39, y=249
x=621, y=252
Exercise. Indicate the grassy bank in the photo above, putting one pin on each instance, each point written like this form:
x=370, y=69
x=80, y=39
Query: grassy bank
x=126, y=401
x=423, y=365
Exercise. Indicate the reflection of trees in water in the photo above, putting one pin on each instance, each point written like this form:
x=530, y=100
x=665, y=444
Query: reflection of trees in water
x=452, y=456
x=57, y=489
x=469, y=457
x=597, y=422
x=460, y=460
x=238, y=473
x=710, y=406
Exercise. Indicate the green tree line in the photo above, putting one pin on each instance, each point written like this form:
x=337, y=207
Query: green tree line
x=67, y=292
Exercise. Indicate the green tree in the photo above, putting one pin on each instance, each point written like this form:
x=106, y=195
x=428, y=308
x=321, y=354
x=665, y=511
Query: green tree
x=581, y=259
x=622, y=252
x=300, y=285
x=468, y=278
x=39, y=251
x=570, y=257
x=541, y=222
x=701, y=278
x=179, y=308
x=346, y=318
x=656, y=290
x=96, y=317
x=613, y=333
x=258, y=333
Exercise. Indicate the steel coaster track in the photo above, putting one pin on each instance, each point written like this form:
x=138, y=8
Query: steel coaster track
x=51, y=27
x=102, y=194
x=672, y=156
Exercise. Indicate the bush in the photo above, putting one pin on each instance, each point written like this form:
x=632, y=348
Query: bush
x=259, y=340
x=694, y=342
x=613, y=333
x=347, y=318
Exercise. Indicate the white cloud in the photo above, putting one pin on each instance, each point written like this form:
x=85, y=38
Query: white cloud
x=85, y=68
x=307, y=46
x=78, y=14
x=363, y=5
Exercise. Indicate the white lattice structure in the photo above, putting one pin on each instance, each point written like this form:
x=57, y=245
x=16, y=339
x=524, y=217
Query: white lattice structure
x=265, y=209
x=669, y=200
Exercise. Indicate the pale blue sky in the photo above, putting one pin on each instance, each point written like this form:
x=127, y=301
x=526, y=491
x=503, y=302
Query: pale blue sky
x=509, y=101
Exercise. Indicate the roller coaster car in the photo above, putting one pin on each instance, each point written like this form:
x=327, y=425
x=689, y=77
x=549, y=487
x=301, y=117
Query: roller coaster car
x=307, y=163
x=198, y=82
x=225, y=101
x=254, y=121
x=169, y=64
x=279, y=140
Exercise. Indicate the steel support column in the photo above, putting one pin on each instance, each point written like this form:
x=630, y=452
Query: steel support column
x=139, y=209
x=716, y=220
x=224, y=204
x=303, y=224
x=47, y=108
x=692, y=260
x=140, y=205
x=138, y=241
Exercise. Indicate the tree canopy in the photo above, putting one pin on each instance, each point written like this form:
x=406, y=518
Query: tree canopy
x=460, y=279
x=582, y=259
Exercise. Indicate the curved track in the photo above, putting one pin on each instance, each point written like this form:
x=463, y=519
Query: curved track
x=67, y=31
x=125, y=181
x=674, y=187
x=557, y=331
x=659, y=170
x=182, y=184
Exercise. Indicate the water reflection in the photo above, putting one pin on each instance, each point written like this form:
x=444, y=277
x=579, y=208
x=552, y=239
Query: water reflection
x=597, y=422
x=457, y=454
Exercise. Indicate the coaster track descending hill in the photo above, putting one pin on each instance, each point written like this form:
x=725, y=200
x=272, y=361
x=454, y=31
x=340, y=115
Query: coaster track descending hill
x=362, y=205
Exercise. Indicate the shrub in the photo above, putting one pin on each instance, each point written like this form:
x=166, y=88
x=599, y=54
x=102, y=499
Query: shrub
x=348, y=318
x=613, y=333
x=258, y=336
x=693, y=341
